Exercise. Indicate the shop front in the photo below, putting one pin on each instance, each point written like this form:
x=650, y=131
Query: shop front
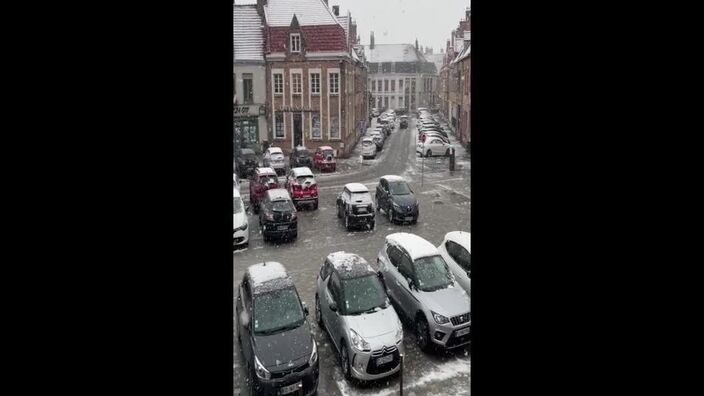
x=246, y=127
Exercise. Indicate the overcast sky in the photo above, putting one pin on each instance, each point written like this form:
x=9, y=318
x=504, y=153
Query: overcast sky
x=401, y=21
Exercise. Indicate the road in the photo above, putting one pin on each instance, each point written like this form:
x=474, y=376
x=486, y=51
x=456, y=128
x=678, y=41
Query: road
x=444, y=206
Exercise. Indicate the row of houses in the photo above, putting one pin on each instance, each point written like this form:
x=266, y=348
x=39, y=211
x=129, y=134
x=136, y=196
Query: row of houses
x=300, y=76
x=454, y=80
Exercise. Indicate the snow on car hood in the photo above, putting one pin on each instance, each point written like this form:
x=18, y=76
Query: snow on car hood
x=374, y=324
x=449, y=302
x=238, y=219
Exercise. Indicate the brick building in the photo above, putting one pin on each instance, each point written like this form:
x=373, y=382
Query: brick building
x=454, y=84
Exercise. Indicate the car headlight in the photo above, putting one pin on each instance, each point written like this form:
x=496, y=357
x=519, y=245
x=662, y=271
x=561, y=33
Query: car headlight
x=440, y=319
x=313, y=355
x=358, y=342
x=260, y=370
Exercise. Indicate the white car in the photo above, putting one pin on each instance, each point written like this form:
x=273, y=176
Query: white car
x=236, y=181
x=456, y=251
x=433, y=146
x=240, y=225
x=274, y=158
x=368, y=148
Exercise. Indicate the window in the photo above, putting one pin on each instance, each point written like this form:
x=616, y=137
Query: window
x=276, y=311
x=334, y=287
x=386, y=85
x=334, y=83
x=459, y=254
x=278, y=84
x=325, y=271
x=432, y=273
x=381, y=88
x=363, y=294
x=386, y=102
x=393, y=85
x=394, y=255
x=374, y=86
x=400, y=85
x=334, y=128
x=279, y=126
x=315, y=131
x=247, y=88
x=405, y=267
x=234, y=81
x=296, y=83
x=295, y=42
x=315, y=83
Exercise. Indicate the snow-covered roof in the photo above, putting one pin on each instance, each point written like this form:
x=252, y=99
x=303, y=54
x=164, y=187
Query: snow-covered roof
x=276, y=194
x=265, y=272
x=275, y=150
x=308, y=12
x=325, y=148
x=248, y=35
x=393, y=178
x=302, y=171
x=462, y=238
x=266, y=171
x=392, y=53
x=344, y=20
x=416, y=246
x=356, y=187
x=349, y=265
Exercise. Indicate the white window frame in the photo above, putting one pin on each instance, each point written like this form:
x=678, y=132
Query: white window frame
x=330, y=85
x=310, y=79
x=283, y=125
x=293, y=82
x=273, y=82
x=292, y=41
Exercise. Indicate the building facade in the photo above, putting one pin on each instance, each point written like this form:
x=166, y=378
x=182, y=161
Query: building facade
x=454, y=84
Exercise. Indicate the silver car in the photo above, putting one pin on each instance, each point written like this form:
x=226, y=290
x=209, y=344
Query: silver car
x=351, y=304
x=457, y=253
x=423, y=290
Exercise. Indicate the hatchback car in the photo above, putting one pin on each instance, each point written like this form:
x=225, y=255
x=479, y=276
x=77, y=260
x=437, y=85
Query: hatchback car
x=433, y=146
x=404, y=122
x=240, y=226
x=302, y=187
x=369, y=148
x=424, y=291
x=354, y=204
x=455, y=249
x=274, y=158
x=352, y=306
x=394, y=195
x=324, y=158
x=300, y=156
x=278, y=217
x=262, y=180
x=245, y=162
x=274, y=335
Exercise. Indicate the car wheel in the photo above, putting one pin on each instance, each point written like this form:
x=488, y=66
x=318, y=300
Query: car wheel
x=293, y=235
x=318, y=314
x=315, y=205
x=428, y=153
x=347, y=223
x=422, y=333
x=255, y=208
x=339, y=212
x=415, y=220
x=345, y=361
x=447, y=153
x=371, y=224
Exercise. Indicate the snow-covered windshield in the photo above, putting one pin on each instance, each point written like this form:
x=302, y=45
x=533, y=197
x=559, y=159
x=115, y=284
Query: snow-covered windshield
x=363, y=294
x=276, y=311
x=268, y=179
x=399, y=188
x=432, y=273
x=238, y=205
x=281, y=206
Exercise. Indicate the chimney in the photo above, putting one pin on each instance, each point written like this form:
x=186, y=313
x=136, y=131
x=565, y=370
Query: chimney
x=467, y=12
x=371, y=40
x=336, y=10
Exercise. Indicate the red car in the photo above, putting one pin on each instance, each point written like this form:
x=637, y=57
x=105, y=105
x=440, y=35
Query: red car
x=302, y=187
x=324, y=158
x=262, y=179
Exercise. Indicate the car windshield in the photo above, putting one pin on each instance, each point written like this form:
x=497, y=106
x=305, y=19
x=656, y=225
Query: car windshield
x=238, y=205
x=432, y=273
x=281, y=206
x=399, y=188
x=363, y=294
x=276, y=311
x=304, y=178
x=268, y=179
x=327, y=153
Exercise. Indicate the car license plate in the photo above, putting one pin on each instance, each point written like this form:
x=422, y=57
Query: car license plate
x=291, y=388
x=384, y=359
x=409, y=218
x=282, y=228
x=462, y=332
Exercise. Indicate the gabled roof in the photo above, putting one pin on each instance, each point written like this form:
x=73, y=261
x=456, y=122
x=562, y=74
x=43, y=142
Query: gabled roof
x=248, y=35
x=309, y=13
x=392, y=53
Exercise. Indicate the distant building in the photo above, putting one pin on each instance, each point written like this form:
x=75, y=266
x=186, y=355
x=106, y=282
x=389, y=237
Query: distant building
x=454, y=82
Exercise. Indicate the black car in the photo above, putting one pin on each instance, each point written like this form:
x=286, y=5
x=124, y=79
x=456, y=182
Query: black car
x=300, y=156
x=404, y=122
x=277, y=215
x=246, y=162
x=277, y=345
x=395, y=196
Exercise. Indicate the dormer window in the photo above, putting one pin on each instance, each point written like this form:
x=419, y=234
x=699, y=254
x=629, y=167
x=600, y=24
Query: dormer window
x=295, y=42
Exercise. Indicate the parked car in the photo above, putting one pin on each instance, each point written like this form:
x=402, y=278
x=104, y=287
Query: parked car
x=278, y=216
x=455, y=249
x=385, y=123
x=302, y=187
x=394, y=195
x=277, y=344
x=300, y=156
x=324, y=159
x=425, y=135
x=354, y=204
x=378, y=139
x=262, y=180
x=245, y=162
x=352, y=306
x=375, y=112
x=404, y=122
x=236, y=181
x=369, y=148
x=240, y=226
x=423, y=290
x=433, y=145
x=274, y=158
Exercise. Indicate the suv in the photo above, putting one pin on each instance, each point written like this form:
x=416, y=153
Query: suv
x=423, y=290
x=395, y=196
x=278, y=215
x=274, y=158
x=324, y=158
x=355, y=204
x=240, y=230
x=302, y=187
x=457, y=254
x=352, y=306
x=246, y=162
x=300, y=157
x=262, y=180
x=274, y=335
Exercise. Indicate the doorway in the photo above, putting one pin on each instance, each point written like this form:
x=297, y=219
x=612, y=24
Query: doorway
x=297, y=130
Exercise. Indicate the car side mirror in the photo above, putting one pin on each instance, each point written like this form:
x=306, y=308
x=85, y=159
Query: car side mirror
x=333, y=307
x=244, y=320
x=411, y=285
x=305, y=308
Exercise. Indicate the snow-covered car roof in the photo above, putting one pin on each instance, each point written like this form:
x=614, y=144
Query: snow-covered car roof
x=356, y=187
x=268, y=276
x=325, y=148
x=276, y=194
x=349, y=265
x=274, y=150
x=266, y=171
x=462, y=238
x=367, y=139
x=393, y=178
x=416, y=246
x=302, y=171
